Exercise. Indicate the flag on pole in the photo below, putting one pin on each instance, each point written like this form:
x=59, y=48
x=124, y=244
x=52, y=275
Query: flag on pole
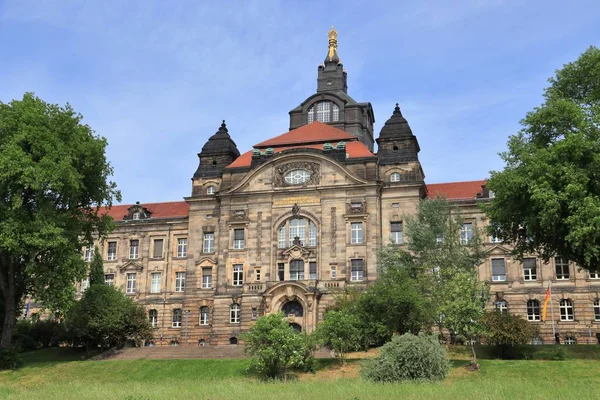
x=546, y=301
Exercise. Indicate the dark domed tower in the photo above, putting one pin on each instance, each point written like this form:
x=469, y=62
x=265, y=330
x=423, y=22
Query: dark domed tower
x=398, y=147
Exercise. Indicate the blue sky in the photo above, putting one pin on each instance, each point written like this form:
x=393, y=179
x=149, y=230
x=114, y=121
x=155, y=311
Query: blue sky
x=157, y=77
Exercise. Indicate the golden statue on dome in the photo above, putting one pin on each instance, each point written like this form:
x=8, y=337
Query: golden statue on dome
x=332, y=43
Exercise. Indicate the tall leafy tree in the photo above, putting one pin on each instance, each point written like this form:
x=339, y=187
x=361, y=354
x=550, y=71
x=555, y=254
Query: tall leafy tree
x=97, y=269
x=547, y=198
x=53, y=177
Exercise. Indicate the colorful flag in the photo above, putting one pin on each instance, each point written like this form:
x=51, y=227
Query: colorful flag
x=546, y=301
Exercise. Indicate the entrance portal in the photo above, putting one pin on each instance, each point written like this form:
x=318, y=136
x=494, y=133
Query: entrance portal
x=293, y=309
x=296, y=327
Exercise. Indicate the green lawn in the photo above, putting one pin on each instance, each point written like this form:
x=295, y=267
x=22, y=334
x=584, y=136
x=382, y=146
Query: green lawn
x=42, y=378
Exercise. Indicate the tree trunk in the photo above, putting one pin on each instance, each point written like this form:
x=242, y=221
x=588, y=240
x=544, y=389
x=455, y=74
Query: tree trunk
x=7, y=285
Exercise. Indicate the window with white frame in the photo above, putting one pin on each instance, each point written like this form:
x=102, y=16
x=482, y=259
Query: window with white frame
x=157, y=248
x=311, y=114
x=596, y=309
x=501, y=306
x=439, y=238
x=211, y=190
x=182, y=247
x=177, y=316
x=356, y=232
x=206, y=278
x=238, y=275
x=594, y=275
x=155, y=282
x=333, y=272
x=153, y=317
x=85, y=284
x=312, y=270
x=494, y=239
x=358, y=270
x=396, y=234
x=498, y=270
x=257, y=275
x=324, y=111
x=234, y=313
x=395, y=177
x=134, y=247
x=303, y=228
x=312, y=234
x=530, y=269
x=204, y=314
x=561, y=268
x=296, y=270
x=89, y=253
x=569, y=339
x=336, y=112
x=130, y=288
x=298, y=230
x=466, y=233
x=281, y=238
x=109, y=279
x=238, y=238
x=136, y=216
x=111, y=252
x=179, y=281
x=533, y=310
x=566, y=310
x=209, y=242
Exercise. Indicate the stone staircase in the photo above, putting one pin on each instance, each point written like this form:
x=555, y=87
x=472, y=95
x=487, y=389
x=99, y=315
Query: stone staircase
x=177, y=352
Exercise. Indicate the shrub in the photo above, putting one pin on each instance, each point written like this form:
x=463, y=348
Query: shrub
x=9, y=358
x=506, y=332
x=408, y=358
x=29, y=335
x=340, y=331
x=275, y=348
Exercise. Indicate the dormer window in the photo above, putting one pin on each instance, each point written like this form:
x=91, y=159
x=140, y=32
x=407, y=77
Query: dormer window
x=327, y=111
x=395, y=177
x=136, y=215
x=210, y=190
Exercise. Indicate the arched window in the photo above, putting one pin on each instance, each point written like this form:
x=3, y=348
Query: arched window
x=597, y=310
x=177, y=318
x=566, y=310
x=327, y=111
x=204, y=313
x=234, y=314
x=302, y=228
x=501, y=306
x=233, y=340
x=153, y=316
x=293, y=308
x=395, y=177
x=533, y=310
x=570, y=339
x=202, y=342
x=211, y=190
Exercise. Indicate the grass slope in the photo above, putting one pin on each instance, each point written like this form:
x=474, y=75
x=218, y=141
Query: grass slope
x=226, y=379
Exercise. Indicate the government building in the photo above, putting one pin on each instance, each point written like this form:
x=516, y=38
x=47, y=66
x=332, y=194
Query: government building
x=297, y=218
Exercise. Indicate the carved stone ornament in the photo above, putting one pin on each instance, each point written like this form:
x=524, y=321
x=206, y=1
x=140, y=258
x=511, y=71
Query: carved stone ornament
x=314, y=169
x=295, y=209
x=356, y=207
x=238, y=215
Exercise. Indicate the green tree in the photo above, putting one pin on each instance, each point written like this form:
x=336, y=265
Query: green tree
x=97, y=269
x=106, y=317
x=547, y=198
x=53, y=177
x=340, y=331
x=505, y=331
x=275, y=348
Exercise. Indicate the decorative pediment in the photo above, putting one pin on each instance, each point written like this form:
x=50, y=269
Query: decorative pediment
x=237, y=215
x=204, y=260
x=296, y=252
x=131, y=266
x=499, y=250
x=137, y=212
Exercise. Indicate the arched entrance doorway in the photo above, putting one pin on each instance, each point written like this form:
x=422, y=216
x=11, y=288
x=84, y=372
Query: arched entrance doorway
x=293, y=309
x=296, y=327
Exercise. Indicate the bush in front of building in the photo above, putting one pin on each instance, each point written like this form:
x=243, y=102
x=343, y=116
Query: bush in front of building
x=9, y=358
x=105, y=317
x=275, y=349
x=32, y=335
x=341, y=332
x=506, y=333
x=408, y=358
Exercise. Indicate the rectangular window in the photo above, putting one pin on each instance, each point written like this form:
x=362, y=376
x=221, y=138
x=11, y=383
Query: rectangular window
x=179, y=281
x=466, y=233
x=529, y=269
x=281, y=237
x=281, y=271
x=156, y=282
x=85, y=284
x=112, y=251
x=134, y=246
x=297, y=229
x=562, y=268
x=312, y=235
x=182, y=247
x=498, y=270
x=158, y=248
x=494, y=239
x=89, y=253
x=257, y=274
x=238, y=275
x=333, y=272
x=595, y=275
x=209, y=242
x=324, y=111
x=238, y=238
x=597, y=310
x=296, y=270
x=357, y=270
x=356, y=232
x=206, y=278
x=312, y=270
x=109, y=279
x=396, y=233
x=130, y=283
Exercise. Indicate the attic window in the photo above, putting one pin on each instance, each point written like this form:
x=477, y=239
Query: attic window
x=395, y=177
x=136, y=215
x=395, y=148
x=210, y=190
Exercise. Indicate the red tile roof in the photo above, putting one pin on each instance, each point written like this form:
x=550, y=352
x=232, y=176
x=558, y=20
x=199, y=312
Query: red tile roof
x=315, y=132
x=354, y=149
x=455, y=190
x=169, y=209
